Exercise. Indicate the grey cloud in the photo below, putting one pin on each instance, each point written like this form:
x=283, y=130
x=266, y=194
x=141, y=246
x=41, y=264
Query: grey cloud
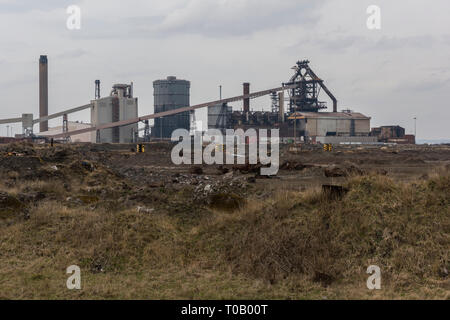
x=207, y=18
x=138, y=72
x=30, y=5
x=393, y=43
x=125, y=28
x=340, y=43
x=334, y=43
x=19, y=82
x=249, y=17
x=446, y=39
x=424, y=85
x=72, y=54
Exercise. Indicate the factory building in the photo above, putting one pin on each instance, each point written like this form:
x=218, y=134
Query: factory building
x=120, y=105
x=333, y=127
x=296, y=110
x=71, y=126
x=393, y=134
x=315, y=127
x=171, y=94
x=385, y=133
x=219, y=117
x=304, y=119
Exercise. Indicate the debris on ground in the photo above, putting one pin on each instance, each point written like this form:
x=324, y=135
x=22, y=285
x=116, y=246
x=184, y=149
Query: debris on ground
x=145, y=210
x=293, y=165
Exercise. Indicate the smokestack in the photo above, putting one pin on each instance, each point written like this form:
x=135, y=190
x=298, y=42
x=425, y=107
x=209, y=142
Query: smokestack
x=281, y=105
x=246, y=100
x=43, y=92
x=97, y=89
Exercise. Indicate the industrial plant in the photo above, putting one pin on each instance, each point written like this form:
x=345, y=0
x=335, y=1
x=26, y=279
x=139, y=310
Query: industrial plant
x=330, y=190
x=119, y=105
x=224, y=154
x=297, y=109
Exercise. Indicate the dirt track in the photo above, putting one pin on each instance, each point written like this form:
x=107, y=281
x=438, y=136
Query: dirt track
x=116, y=165
x=402, y=163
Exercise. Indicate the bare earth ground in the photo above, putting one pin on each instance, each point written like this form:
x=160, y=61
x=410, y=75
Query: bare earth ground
x=140, y=227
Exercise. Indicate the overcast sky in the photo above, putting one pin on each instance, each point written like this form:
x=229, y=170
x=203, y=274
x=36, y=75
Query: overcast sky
x=393, y=75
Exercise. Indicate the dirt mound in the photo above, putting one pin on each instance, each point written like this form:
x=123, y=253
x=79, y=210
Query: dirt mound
x=344, y=170
x=44, y=174
x=223, y=170
x=32, y=197
x=20, y=164
x=196, y=170
x=293, y=165
x=226, y=201
x=248, y=168
x=228, y=189
x=328, y=240
x=333, y=192
x=56, y=154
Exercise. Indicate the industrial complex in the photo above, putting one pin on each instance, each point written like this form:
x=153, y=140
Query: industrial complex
x=224, y=154
x=296, y=110
x=118, y=197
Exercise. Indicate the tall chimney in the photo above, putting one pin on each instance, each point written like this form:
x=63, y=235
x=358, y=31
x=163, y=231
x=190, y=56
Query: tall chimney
x=43, y=92
x=246, y=100
x=97, y=89
x=281, y=105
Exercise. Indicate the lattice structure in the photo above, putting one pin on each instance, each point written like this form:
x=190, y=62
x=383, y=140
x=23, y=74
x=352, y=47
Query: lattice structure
x=305, y=96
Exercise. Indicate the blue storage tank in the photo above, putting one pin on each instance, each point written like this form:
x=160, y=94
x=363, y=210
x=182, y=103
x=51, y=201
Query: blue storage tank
x=171, y=94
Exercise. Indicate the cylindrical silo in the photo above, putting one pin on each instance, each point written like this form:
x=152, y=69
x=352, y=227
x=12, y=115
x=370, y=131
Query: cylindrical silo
x=171, y=94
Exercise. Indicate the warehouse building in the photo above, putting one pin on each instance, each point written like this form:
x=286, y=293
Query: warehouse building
x=219, y=117
x=393, y=134
x=333, y=127
x=71, y=126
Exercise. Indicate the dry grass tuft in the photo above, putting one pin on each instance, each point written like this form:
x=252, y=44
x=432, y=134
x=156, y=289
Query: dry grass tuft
x=403, y=228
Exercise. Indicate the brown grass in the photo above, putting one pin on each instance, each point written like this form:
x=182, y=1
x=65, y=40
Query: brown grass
x=292, y=245
x=403, y=228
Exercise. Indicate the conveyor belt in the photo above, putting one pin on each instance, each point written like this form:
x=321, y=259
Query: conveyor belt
x=172, y=112
x=12, y=120
x=49, y=117
x=60, y=114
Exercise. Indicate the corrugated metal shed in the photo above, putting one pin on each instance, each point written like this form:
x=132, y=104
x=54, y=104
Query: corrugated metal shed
x=335, y=115
x=336, y=124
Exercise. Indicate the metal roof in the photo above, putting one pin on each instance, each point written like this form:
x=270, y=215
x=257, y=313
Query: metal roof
x=334, y=115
